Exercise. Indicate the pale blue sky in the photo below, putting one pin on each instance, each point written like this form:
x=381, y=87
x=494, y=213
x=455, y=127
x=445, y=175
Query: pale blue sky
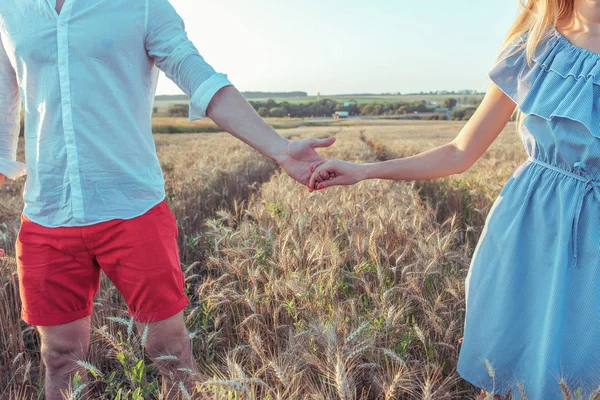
x=352, y=46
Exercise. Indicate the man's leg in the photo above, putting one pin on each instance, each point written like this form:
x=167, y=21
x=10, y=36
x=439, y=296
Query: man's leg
x=58, y=280
x=140, y=256
x=62, y=345
x=170, y=337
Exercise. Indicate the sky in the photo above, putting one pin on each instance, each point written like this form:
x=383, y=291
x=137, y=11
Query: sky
x=351, y=46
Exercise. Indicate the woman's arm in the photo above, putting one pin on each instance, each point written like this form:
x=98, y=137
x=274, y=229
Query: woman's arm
x=451, y=158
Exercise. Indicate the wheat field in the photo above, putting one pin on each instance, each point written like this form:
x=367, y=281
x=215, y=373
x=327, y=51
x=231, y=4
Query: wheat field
x=348, y=293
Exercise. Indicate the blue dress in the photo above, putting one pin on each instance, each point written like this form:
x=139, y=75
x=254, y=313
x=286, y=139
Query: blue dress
x=533, y=285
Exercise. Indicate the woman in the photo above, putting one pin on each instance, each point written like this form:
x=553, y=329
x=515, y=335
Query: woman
x=533, y=286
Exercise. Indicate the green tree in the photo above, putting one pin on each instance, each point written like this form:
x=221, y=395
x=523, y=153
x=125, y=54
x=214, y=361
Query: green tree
x=469, y=111
x=278, y=112
x=263, y=112
x=179, y=110
x=450, y=103
x=463, y=114
x=401, y=110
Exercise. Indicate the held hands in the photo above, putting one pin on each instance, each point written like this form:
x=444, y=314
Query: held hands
x=335, y=172
x=301, y=158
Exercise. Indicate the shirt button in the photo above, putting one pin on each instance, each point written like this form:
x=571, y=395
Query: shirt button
x=69, y=140
x=62, y=62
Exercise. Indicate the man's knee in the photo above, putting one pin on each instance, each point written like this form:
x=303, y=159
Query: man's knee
x=61, y=358
x=63, y=345
x=165, y=348
x=167, y=339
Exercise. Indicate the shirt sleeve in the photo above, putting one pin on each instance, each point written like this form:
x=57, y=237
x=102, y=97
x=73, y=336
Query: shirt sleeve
x=167, y=43
x=10, y=105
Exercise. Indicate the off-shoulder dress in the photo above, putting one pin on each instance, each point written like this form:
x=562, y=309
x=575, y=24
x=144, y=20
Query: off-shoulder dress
x=533, y=286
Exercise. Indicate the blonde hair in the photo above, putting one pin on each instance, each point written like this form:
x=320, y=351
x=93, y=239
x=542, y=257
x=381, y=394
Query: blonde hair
x=536, y=19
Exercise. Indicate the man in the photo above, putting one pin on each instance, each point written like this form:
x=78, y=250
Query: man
x=94, y=195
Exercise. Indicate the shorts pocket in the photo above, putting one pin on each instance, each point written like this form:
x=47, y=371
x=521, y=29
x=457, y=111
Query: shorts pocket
x=173, y=220
x=24, y=224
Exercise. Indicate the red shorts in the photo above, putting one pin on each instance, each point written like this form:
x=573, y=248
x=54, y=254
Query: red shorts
x=59, y=268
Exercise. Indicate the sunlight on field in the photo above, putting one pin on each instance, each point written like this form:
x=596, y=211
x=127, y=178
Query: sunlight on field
x=353, y=292
x=184, y=125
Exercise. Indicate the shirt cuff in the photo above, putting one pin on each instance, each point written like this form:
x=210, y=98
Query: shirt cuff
x=12, y=169
x=204, y=94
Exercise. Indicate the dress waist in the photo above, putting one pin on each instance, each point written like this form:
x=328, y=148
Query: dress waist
x=578, y=165
x=592, y=184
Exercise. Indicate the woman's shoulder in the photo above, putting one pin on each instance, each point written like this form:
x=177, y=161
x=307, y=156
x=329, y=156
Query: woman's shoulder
x=518, y=44
x=528, y=56
x=549, y=78
x=549, y=48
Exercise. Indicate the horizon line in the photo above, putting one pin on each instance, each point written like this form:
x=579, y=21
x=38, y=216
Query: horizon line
x=460, y=91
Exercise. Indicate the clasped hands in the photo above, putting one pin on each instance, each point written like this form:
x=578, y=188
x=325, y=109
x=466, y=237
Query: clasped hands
x=335, y=172
x=305, y=165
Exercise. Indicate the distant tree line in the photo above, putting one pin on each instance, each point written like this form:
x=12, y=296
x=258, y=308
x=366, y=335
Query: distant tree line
x=179, y=110
x=327, y=107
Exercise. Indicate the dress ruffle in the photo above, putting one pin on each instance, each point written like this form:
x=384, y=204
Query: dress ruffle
x=562, y=81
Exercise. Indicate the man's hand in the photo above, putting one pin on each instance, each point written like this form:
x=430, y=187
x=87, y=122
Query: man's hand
x=301, y=159
x=232, y=112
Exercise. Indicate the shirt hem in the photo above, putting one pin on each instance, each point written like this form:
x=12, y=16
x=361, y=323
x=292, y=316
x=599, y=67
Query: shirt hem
x=12, y=169
x=95, y=222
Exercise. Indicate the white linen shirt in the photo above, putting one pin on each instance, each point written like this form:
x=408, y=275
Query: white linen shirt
x=87, y=78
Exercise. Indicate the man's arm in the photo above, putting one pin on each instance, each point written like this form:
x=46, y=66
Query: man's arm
x=212, y=94
x=231, y=111
x=10, y=111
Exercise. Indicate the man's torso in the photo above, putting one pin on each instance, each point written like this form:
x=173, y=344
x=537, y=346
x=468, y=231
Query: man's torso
x=87, y=85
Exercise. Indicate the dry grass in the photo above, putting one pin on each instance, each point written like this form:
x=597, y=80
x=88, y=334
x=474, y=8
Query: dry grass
x=350, y=293
x=183, y=125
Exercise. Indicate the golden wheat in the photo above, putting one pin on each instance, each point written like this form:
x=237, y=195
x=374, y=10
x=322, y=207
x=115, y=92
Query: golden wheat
x=350, y=293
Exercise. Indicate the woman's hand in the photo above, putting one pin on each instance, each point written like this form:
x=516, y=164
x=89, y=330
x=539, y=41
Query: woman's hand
x=301, y=158
x=335, y=172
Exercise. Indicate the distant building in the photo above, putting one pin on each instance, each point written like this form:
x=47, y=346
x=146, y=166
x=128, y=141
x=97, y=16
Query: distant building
x=349, y=103
x=442, y=110
x=340, y=114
